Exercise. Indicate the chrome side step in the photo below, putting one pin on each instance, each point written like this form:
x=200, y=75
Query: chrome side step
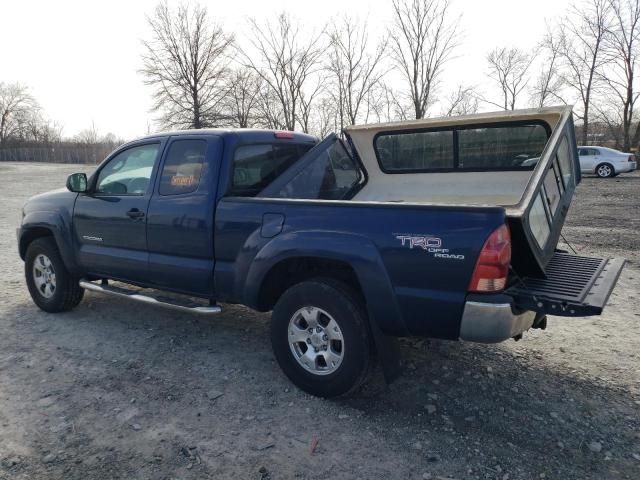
x=135, y=295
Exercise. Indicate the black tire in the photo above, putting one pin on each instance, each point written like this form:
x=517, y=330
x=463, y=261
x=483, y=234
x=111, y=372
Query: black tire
x=343, y=305
x=67, y=293
x=605, y=170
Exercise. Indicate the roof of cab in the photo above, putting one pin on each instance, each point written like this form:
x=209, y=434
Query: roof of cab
x=255, y=134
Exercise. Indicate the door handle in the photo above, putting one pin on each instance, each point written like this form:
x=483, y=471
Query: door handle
x=135, y=213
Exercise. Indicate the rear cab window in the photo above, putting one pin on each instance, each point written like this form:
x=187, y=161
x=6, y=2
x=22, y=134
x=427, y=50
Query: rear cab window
x=256, y=166
x=329, y=172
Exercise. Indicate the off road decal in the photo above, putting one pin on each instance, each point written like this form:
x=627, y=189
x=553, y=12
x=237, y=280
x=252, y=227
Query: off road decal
x=428, y=243
x=92, y=238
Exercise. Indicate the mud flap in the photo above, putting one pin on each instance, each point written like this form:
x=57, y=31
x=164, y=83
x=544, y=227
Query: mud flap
x=387, y=352
x=573, y=286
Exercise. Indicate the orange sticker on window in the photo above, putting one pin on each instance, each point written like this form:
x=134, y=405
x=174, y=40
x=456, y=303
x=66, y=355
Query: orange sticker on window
x=183, y=180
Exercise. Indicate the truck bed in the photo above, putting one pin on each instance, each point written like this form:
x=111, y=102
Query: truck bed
x=450, y=188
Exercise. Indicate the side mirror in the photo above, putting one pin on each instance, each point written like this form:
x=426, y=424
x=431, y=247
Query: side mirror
x=77, y=182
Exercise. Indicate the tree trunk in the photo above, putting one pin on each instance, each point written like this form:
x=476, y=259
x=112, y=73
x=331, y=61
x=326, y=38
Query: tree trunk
x=585, y=125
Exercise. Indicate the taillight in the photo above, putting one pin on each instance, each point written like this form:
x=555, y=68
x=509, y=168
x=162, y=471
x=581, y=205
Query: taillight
x=492, y=267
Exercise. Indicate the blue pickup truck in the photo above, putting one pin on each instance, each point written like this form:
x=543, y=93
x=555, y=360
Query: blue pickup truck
x=444, y=228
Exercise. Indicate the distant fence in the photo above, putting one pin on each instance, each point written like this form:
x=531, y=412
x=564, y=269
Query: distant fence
x=57, y=153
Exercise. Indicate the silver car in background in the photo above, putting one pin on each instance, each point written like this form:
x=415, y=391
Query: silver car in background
x=605, y=162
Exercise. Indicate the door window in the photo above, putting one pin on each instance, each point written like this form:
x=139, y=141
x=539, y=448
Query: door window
x=182, y=167
x=129, y=172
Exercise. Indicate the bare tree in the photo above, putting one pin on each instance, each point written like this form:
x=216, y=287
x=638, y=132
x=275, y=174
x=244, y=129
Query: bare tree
x=327, y=117
x=89, y=135
x=354, y=68
x=550, y=81
x=307, y=102
x=286, y=62
x=243, y=97
x=582, y=56
x=462, y=101
x=270, y=112
x=50, y=131
x=509, y=68
x=186, y=63
x=609, y=117
x=16, y=106
x=623, y=50
x=423, y=38
x=386, y=104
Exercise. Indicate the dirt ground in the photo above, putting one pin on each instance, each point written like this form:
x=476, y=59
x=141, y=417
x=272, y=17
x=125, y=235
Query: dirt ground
x=120, y=390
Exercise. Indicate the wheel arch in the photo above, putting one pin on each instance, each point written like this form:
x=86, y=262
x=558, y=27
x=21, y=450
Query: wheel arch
x=31, y=234
x=352, y=259
x=297, y=269
x=48, y=224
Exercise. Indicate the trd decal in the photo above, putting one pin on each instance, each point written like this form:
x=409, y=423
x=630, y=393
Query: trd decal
x=421, y=242
x=429, y=243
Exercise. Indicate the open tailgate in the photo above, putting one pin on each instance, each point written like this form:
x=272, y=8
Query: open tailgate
x=573, y=286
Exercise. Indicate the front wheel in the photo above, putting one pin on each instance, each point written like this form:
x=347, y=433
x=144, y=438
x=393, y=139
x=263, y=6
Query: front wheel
x=604, y=170
x=50, y=284
x=320, y=337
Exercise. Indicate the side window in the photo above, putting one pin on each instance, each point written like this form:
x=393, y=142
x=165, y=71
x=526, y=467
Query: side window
x=565, y=161
x=398, y=152
x=552, y=190
x=330, y=176
x=514, y=146
x=129, y=172
x=558, y=179
x=492, y=147
x=182, y=167
x=539, y=222
x=256, y=166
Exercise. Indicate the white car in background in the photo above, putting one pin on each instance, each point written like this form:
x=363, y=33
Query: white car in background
x=605, y=162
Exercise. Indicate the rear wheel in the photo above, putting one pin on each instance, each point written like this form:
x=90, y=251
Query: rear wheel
x=50, y=284
x=320, y=337
x=605, y=170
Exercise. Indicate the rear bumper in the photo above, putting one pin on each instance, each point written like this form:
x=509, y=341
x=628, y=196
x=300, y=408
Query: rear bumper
x=493, y=322
x=626, y=167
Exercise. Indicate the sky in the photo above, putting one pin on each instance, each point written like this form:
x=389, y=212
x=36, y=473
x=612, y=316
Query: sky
x=81, y=58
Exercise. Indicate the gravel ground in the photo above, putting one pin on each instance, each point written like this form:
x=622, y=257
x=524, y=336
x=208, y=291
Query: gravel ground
x=120, y=390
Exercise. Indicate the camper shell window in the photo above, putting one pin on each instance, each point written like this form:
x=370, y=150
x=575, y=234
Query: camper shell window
x=499, y=147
